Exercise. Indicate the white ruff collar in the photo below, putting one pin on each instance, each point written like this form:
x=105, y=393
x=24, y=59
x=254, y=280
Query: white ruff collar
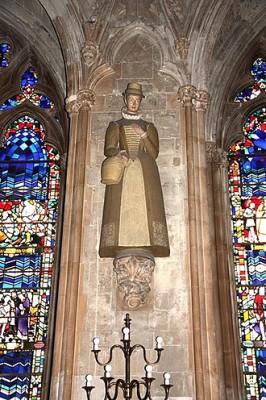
x=127, y=115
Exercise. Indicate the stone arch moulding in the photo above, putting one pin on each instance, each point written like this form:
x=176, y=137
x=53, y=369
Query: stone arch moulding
x=168, y=58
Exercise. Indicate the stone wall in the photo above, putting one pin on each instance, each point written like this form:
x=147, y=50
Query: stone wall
x=166, y=312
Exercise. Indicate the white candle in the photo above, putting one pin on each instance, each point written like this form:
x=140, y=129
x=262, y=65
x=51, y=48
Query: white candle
x=148, y=369
x=88, y=380
x=107, y=371
x=96, y=342
x=125, y=333
x=167, y=377
x=159, y=341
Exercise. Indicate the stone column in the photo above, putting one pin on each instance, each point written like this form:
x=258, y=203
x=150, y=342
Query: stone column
x=203, y=297
x=78, y=107
x=223, y=254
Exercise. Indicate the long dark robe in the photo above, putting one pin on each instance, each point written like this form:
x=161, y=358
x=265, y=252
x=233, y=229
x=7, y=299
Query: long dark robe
x=119, y=228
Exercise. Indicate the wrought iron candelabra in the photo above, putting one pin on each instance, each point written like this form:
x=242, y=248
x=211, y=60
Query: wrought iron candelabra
x=142, y=387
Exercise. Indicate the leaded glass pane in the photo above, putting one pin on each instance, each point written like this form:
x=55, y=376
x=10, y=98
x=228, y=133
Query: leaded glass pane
x=29, y=190
x=4, y=51
x=247, y=191
x=12, y=102
x=258, y=71
x=28, y=83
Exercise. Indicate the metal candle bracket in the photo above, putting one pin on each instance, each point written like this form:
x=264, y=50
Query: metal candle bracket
x=128, y=386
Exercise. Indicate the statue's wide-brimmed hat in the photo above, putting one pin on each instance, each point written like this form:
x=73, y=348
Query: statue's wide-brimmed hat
x=134, y=88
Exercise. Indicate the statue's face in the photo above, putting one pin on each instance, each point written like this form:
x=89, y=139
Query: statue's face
x=133, y=103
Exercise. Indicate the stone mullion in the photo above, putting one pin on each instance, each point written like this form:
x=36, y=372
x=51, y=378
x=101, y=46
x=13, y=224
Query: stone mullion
x=186, y=95
x=230, y=336
x=78, y=108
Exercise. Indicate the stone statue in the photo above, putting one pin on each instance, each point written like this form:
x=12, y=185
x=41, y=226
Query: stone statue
x=133, y=217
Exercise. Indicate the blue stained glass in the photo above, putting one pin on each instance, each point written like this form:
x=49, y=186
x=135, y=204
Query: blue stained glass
x=261, y=360
x=4, y=49
x=24, y=146
x=244, y=94
x=41, y=101
x=258, y=72
x=28, y=83
x=257, y=267
x=4, y=63
x=20, y=271
x=14, y=388
x=29, y=175
x=262, y=387
x=18, y=363
x=12, y=102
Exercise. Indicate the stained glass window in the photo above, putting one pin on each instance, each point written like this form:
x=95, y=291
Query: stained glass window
x=258, y=72
x=28, y=83
x=247, y=185
x=4, y=55
x=29, y=190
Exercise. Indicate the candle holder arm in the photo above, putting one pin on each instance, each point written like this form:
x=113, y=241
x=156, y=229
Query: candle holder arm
x=140, y=346
x=88, y=390
x=166, y=390
x=108, y=384
x=147, y=385
x=103, y=364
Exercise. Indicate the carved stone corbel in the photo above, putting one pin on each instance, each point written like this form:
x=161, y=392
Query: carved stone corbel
x=134, y=276
x=90, y=52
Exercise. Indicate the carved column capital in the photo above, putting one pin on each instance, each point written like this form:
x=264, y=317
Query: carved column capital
x=90, y=52
x=85, y=99
x=201, y=101
x=186, y=95
x=134, y=275
x=189, y=96
x=215, y=155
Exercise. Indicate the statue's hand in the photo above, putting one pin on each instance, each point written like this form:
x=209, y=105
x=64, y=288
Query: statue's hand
x=124, y=157
x=138, y=129
x=124, y=160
